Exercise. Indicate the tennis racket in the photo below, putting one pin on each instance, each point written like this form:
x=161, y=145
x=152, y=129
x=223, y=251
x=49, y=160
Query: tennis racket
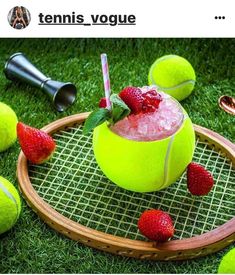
x=72, y=195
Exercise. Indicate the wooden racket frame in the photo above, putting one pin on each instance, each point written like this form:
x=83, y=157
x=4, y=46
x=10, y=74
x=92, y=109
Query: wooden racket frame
x=172, y=250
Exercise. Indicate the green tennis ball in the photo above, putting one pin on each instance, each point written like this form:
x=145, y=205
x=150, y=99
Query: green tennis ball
x=8, y=121
x=10, y=205
x=227, y=265
x=173, y=75
x=143, y=166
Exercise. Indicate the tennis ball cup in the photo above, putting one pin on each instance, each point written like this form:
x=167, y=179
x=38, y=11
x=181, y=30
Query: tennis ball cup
x=227, y=265
x=8, y=121
x=10, y=205
x=144, y=166
x=173, y=75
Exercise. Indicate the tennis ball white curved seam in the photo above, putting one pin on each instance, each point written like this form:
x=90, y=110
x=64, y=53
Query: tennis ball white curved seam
x=166, y=161
x=176, y=86
x=167, y=88
x=167, y=169
x=11, y=197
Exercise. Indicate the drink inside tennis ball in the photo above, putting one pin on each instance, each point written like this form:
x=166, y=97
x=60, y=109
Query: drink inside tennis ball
x=151, y=126
x=150, y=148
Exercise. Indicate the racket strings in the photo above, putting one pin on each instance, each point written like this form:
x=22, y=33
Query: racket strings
x=73, y=184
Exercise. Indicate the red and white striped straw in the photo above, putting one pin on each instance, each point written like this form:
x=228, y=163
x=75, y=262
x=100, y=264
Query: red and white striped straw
x=105, y=69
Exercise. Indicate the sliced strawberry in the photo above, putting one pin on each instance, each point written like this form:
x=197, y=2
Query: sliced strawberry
x=151, y=101
x=37, y=145
x=132, y=96
x=199, y=180
x=103, y=103
x=156, y=225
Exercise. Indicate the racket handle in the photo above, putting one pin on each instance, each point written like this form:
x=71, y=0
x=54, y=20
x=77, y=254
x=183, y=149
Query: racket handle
x=19, y=68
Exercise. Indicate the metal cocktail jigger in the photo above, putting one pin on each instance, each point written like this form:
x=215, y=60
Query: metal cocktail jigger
x=19, y=68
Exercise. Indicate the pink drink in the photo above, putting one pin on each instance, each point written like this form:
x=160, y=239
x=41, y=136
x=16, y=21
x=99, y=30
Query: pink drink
x=162, y=123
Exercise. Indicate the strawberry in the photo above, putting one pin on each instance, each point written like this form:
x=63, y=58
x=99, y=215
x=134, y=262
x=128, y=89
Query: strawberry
x=37, y=145
x=200, y=181
x=103, y=103
x=138, y=101
x=156, y=225
x=151, y=101
x=132, y=96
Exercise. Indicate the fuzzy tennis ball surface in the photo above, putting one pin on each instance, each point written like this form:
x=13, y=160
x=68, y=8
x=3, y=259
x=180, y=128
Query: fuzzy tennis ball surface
x=8, y=121
x=173, y=75
x=10, y=205
x=227, y=265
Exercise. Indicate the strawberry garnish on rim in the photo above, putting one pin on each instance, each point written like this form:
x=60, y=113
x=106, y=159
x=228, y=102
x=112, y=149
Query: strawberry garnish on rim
x=140, y=102
x=37, y=146
x=151, y=101
x=132, y=96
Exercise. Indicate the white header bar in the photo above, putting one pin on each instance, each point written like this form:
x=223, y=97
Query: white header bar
x=122, y=18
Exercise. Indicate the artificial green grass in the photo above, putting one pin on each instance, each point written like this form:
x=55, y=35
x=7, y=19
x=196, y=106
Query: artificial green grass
x=31, y=246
